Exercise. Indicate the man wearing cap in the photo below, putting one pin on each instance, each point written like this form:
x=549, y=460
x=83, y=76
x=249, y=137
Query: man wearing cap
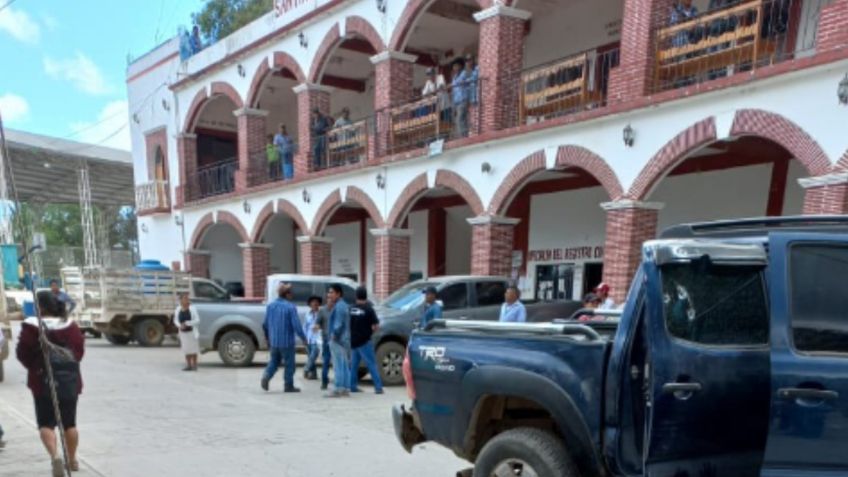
x=280, y=326
x=602, y=290
x=432, y=309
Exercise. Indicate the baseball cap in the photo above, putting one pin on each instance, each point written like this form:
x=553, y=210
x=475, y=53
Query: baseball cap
x=430, y=289
x=602, y=287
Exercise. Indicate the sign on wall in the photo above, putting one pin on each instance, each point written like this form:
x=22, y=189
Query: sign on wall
x=569, y=253
x=282, y=7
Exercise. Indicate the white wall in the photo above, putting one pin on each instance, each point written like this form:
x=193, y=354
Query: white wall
x=345, y=248
x=280, y=234
x=226, y=262
x=418, y=223
x=458, y=240
x=793, y=202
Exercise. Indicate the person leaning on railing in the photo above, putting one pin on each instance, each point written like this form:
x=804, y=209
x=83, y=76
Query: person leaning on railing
x=436, y=85
x=319, y=127
x=273, y=156
x=459, y=97
x=285, y=146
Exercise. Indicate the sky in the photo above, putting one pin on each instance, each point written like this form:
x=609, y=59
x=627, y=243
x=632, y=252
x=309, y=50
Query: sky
x=63, y=63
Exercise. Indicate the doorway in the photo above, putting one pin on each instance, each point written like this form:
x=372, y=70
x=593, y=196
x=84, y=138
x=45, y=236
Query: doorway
x=554, y=282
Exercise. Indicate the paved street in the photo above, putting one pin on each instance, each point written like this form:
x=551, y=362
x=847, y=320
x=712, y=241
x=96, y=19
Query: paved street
x=140, y=415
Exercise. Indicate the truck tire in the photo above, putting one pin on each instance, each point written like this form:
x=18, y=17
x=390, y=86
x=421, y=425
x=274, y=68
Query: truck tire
x=236, y=348
x=118, y=340
x=390, y=362
x=525, y=451
x=149, y=332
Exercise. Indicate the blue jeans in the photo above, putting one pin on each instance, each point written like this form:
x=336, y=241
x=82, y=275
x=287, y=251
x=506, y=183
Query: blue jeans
x=366, y=353
x=326, y=356
x=280, y=356
x=311, y=356
x=341, y=366
x=288, y=166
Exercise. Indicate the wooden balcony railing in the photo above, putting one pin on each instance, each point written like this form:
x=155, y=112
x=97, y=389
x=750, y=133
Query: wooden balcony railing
x=347, y=144
x=152, y=197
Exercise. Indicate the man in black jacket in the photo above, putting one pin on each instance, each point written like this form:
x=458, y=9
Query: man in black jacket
x=363, y=324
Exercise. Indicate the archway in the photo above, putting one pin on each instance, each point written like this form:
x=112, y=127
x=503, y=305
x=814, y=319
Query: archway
x=221, y=241
x=278, y=226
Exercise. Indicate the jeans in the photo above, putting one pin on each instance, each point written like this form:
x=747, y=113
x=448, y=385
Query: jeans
x=341, y=366
x=318, y=152
x=460, y=117
x=312, y=350
x=366, y=353
x=326, y=356
x=283, y=356
x=288, y=165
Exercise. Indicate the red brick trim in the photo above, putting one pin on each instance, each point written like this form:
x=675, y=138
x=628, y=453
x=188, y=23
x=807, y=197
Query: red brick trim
x=359, y=196
x=219, y=87
x=515, y=180
x=282, y=61
x=152, y=67
x=256, y=83
x=208, y=221
x=284, y=207
x=843, y=163
x=325, y=50
x=152, y=141
x=778, y=129
x=410, y=16
x=285, y=61
x=455, y=182
x=407, y=199
x=194, y=110
x=325, y=211
x=580, y=157
x=362, y=27
x=695, y=136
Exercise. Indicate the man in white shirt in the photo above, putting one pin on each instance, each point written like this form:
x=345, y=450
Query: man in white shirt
x=513, y=311
x=607, y=303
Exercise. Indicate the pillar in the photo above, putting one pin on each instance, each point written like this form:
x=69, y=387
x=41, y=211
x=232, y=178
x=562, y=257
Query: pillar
x=632, y=79
x=253, y=165
x=394, y=87
x=833, y=26
x=391, y=257
x=197, y=262
x=309, y=97
x=629, y=224
x=256, y=260
x=501, y=58
x=315, y=255
x=187, y=151
x=491, y=245
x=826, y=195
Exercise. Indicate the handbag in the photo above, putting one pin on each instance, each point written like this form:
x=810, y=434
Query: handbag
x=66, y=370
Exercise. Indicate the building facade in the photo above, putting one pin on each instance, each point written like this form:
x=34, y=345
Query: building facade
x=586, y=127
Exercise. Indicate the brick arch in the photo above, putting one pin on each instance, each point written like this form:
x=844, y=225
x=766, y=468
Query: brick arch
x=218, y=88
x=580, y=157
x=362, y=198
x=194, y=109
x=515, y=180
x=282, y=61
x=695, y=136
x=355, y=24
x=328, y=44
x=410, y=194
x=456, y=183
x=843, y=163
x=208, y=221
x=782, y=131
x=284, y=207
x=334, y=201
x=409, y=18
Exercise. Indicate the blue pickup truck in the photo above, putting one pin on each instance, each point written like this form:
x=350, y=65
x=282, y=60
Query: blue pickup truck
x=730, y=359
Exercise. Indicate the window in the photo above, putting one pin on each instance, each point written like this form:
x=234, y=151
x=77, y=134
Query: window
x=819, y=297
x=490, y=293
x=454, y=296
x=301, y=291
x=715, y=304
x=207, y=291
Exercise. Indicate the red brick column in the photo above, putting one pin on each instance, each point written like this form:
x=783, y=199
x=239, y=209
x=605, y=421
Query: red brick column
x=256, y=260
x=391, y=260
x=251, y=147
x=187, y=151
x=197, y=263
x=632, y=79
x=394, y=87
x=309, y=96
x=833, y=26
x=316, y=255
x=491, y=245
x=501, y=58
x=826, y=195
x=629, y=225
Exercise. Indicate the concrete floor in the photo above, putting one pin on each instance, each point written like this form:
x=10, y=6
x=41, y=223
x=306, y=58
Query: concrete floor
x=140, y=415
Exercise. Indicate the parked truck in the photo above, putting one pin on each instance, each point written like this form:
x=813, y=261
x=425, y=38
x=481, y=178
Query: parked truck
x=730, y=359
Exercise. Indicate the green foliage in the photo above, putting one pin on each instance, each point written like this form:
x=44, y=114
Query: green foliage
x=219, y=18
x=61, y=224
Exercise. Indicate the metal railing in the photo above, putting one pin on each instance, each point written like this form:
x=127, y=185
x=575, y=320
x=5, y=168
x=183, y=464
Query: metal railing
x=152, y=196
x=739, y=37
x=347, y=144
x=264, y=171
x=215, y=179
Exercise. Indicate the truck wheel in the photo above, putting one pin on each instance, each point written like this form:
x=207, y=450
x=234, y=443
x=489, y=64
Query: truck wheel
x=236, y=348
x=149, y=332
x=119, y=340
x=390, y=360
x=524, y=451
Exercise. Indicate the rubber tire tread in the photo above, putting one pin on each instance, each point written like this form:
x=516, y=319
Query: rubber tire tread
x=251, y=349
x=542, y=450
x=383, y=349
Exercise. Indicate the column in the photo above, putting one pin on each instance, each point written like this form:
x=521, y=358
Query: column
x=394, y=87
x=315, y=255
x=256, y=260
x=253, y=165
x=391, y=260
x=309, y=97
x=826, y=195
x=491, y=245
x=501, y=58
x=833, y=26
x=632, y=79
x=187, y=151
x=629, y=224
x=197, y=262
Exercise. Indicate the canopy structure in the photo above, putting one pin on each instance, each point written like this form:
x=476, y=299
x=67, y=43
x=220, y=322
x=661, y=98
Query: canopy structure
x=46, y=170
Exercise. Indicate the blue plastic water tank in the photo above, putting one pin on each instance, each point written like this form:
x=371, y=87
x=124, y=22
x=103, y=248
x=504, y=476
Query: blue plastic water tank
x=151, y=265
x=28, y=308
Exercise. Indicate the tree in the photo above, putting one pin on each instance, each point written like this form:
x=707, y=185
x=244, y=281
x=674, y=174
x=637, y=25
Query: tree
x=219, y=18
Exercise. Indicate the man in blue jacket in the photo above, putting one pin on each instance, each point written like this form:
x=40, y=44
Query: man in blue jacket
x=281, y=325
x=339, y=334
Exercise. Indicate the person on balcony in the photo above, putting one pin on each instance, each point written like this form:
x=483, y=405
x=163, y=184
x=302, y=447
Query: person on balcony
x=436, y=85
x=195, y=41
x=285, y=146
x=272, y=154
x=319, y=128
x=342, y=121
x=682, y=12
x=472, y=74
x=459, y=97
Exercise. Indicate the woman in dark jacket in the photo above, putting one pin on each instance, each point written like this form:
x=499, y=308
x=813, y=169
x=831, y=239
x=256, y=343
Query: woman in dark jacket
x=67, y=335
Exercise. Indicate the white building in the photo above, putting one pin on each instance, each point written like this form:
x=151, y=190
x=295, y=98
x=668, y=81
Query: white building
x=596, y=124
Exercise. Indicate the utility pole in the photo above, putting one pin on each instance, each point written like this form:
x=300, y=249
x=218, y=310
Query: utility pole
x=89, y=239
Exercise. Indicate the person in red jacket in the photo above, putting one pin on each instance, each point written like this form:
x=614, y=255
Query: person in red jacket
x=68, y=337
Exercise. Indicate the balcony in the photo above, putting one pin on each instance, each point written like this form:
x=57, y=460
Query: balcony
x=346, y=145
x=212, y=180
x=152, y=198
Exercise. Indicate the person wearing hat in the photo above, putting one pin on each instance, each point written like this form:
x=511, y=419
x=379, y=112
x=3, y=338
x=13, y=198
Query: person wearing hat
x=432, y=309
x=280, y=326
x=602, y=291
x=319, y=127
